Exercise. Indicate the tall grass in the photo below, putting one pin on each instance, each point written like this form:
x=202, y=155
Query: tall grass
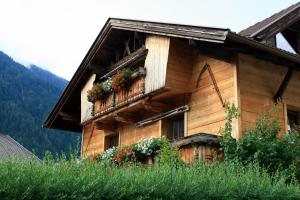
x=83, y=179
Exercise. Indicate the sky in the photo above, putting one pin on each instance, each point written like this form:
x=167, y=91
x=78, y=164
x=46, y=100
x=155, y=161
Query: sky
x=56, y=34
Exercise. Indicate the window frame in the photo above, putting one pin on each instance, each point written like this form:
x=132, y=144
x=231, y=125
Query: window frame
x=180, y=119
x=108, y=142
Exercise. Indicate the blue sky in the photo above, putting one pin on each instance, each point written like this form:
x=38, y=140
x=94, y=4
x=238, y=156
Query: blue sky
x=56, y=34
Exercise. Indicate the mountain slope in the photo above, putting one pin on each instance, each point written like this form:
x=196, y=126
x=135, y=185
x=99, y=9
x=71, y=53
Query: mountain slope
x=56, y=81
x=26, y=97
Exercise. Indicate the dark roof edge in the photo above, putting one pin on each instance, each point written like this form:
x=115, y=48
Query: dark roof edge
x=198, y=138
x=275, y=20
x=255, y=29
x=73, y=82
x=264, y=47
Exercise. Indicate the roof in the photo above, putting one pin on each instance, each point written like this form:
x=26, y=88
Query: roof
x=217, y=36
x=208, y=34
x=11, y=148
x=199, y=138
x=265, y=24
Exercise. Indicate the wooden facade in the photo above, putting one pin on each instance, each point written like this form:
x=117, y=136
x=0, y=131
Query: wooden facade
x=188, y=74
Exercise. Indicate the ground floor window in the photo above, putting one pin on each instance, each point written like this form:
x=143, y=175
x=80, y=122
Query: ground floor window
x=112, y=141
x=175, y=129
x=293, y=119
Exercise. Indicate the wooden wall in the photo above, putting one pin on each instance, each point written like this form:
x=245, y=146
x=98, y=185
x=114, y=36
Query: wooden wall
x=180, y=66
x=200, y=152
x=129, y=134
x=206, y=113
x=156, y=62
x=258, y=83
x=93, y=141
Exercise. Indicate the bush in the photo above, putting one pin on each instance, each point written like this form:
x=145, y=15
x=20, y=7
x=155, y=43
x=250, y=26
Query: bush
x=84, y=179
x=262, y=144
x=169, y=155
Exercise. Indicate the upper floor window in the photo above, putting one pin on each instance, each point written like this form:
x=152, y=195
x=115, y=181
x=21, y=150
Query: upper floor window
x=293, y=119
x=176, y=127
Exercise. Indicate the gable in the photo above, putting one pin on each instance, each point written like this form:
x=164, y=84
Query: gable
x=286, y=22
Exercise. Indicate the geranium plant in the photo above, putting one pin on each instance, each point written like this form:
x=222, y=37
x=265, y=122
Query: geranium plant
x=99, y=91
x=121, y=80
x=137, y=152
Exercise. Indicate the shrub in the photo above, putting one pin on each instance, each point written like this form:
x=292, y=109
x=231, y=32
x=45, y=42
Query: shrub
x=262, y=144
x=169, y=155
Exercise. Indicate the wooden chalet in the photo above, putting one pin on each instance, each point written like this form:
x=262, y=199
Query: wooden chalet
x=182, y=77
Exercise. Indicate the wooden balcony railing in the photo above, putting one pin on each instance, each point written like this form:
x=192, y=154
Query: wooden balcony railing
x=118, y=99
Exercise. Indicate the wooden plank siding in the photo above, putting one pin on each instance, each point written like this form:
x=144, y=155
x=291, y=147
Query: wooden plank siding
x=180, y=67
x=156, y=62
x=206, y=110
x=129, y=134
x=93, y=141
x=259, y=81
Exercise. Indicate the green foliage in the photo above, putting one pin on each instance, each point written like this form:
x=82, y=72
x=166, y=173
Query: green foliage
x=228, y=144
x=26, y=97
x=56, y=178
x=169, y=155
x=263, y=145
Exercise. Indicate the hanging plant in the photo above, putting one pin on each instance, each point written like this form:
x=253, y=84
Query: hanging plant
x=96, y=93
x=121, y=80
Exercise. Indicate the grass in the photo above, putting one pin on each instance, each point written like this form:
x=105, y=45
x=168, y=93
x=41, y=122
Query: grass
x=81, y=179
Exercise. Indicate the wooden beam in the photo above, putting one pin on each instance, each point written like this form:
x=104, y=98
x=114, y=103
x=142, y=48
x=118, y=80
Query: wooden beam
x=298, y=42
x=69, y=116
x=105, y=126
x=283, y=85
x=125, y=118
x=155, y=106
x=208, y=68
x=134, y=57
x=97, y=69
x=170, y=113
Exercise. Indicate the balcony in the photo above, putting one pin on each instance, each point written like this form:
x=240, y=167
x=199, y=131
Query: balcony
x=118, y=99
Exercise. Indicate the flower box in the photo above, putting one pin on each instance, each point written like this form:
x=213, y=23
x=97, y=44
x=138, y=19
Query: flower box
x=136, y=90
x=101, y=106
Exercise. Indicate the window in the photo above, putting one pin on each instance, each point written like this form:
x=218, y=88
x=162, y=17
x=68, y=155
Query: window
x=111, y=141
x=293, y=119
x=176, y=127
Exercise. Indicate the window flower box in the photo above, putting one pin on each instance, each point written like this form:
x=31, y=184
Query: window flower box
x=136, y=90
x=101, y=106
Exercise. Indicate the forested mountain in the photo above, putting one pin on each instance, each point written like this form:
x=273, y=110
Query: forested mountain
x=27, y=95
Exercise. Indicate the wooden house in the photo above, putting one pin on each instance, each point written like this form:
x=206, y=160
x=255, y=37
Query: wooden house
x=182, y=76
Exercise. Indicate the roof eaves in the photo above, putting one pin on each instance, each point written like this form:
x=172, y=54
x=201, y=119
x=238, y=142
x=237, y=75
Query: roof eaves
x=273, y=50
x=274, y=21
